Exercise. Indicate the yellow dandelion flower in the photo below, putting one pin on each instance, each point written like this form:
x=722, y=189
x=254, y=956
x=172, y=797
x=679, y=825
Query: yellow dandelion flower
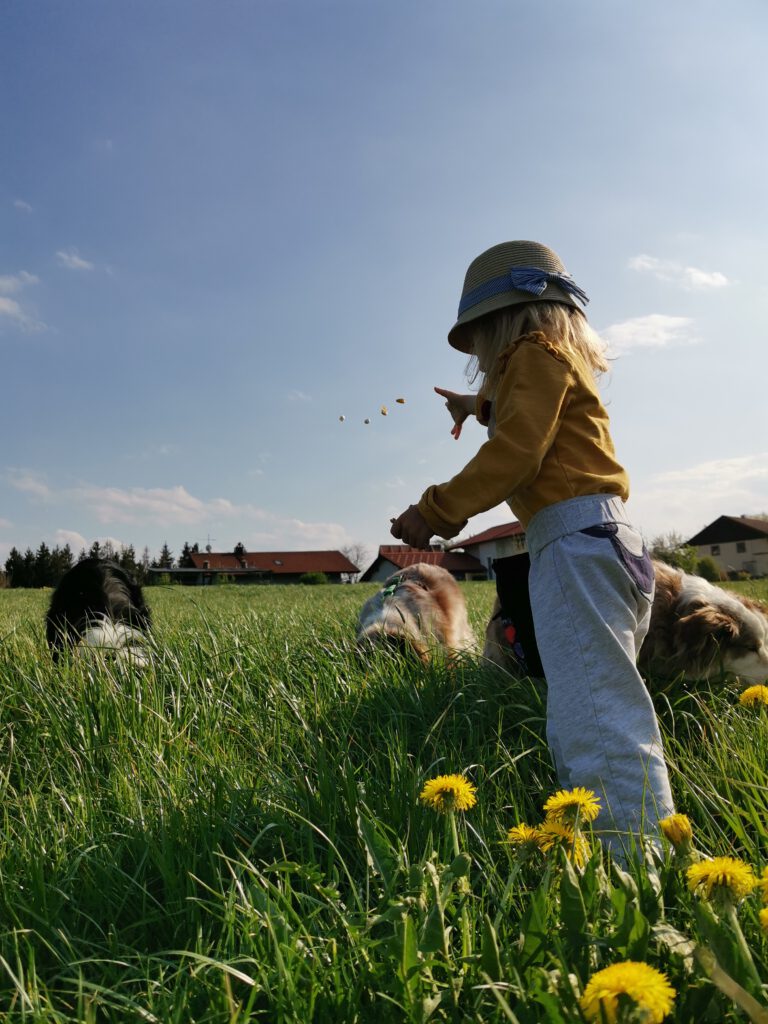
x=648, y=989
x=449, y=793
x=557, y=833
x=763, y=915
x=568, y=804
x=754, y=695
x=763, y=883
x=677, y=829
x=523, y=836
x=725, y=876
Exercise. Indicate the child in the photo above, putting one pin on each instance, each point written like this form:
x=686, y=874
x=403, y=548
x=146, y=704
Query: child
x=550, y=456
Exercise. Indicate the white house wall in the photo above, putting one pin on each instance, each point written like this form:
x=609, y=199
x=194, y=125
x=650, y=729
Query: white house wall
x=491, y=549
x=730, y=558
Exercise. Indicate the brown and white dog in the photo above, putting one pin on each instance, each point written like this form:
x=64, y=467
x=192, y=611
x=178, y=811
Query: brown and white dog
x=420, y=610
x=699, y=630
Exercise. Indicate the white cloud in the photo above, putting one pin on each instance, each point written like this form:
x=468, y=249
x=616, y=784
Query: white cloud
x=162, y=505
x=11, y=310
x=175, y=506
x=298, y=396
x=689, y=278
x=10, y=284
x=72, y=260
x=290, y=534
x=5, y=523
x=653, y=331
x=29, y=482
x=684, y=500
x=20, y=204
x=75, y=540
x=721, y=474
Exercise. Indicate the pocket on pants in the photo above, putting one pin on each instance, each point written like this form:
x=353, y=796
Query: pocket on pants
x=632, y=553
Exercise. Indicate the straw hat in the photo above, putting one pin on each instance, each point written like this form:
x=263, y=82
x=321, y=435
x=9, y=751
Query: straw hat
x=508, y=274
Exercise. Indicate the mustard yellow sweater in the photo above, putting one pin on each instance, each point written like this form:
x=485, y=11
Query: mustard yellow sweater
x=550, y=442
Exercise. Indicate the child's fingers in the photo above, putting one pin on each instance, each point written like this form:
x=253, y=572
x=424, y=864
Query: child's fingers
x=456, y=430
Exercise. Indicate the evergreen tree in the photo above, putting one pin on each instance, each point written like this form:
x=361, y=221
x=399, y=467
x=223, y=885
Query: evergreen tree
x=127, y=559
x=28, y=570
x=43, y=572
x=185, y=558
x=165, y=561
x=62, y=562
x=108, y=551
x=95, y=551
x=142, y=573
x=14, y=568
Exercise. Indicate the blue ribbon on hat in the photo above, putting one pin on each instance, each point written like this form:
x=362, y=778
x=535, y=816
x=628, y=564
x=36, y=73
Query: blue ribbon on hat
x=525, y=279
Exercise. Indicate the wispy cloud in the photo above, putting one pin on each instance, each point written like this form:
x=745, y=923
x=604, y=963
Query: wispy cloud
x=28, y=482
x=171, y=507
x=22, y=205
x=12, y=283
x=687, y=498
x=75, y=540
x=298, y=396
x=72, y=260
x=5, y=523
x=723, y=474
x=653, y=331
x=689, y=278
x=164, y=506
x=11, y=310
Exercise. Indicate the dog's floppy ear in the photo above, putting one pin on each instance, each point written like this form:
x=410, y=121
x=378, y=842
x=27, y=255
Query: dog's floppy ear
x=705, y=629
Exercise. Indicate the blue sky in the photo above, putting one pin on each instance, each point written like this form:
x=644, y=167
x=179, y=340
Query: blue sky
x=222, y=226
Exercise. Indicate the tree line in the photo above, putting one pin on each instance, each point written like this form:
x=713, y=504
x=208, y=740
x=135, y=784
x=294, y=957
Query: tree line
x=46, y=566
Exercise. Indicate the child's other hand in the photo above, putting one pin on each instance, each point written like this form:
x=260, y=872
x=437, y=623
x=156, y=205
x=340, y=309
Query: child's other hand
x=459, y=406
x=412, y=527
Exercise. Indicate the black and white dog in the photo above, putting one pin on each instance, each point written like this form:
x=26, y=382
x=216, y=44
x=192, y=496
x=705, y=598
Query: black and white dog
x=97, y=605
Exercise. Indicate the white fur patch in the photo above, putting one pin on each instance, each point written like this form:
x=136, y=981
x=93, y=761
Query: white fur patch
x=116, y=638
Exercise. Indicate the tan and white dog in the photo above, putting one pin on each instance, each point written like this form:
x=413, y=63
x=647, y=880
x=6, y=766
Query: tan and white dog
x=419, y=610
x=699, y=630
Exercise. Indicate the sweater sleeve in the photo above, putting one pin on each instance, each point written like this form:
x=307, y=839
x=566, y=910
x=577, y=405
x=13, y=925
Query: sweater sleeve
x=530, y=401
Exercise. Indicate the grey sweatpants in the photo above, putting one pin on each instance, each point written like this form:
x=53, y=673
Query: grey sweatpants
x=591, y=587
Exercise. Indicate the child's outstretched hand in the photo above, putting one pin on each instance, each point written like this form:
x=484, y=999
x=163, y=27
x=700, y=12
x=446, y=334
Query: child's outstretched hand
x=412, y=527
x=459, y=406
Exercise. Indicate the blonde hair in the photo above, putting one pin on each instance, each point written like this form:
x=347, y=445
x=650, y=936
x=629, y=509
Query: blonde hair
x=564, y=327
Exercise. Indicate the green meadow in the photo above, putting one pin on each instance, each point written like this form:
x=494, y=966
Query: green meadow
x=235, y=833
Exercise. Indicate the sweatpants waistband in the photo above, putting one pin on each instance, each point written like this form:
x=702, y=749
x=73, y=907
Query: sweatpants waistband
x=571, y=516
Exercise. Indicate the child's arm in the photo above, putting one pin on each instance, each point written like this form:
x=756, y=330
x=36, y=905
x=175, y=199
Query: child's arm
x=530, y=401
x=459, y=406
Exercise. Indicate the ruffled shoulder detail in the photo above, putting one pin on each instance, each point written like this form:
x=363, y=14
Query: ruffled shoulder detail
x=532, y=338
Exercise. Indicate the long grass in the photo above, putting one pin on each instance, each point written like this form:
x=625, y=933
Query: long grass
x=234, y=834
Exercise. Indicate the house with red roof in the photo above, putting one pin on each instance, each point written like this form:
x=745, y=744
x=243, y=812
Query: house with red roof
x=496, y=542
x=393, y=557
x=736, y=543
x=241, y=566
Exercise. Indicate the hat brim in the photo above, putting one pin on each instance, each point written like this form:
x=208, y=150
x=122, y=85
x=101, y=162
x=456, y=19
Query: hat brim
x=460, y=338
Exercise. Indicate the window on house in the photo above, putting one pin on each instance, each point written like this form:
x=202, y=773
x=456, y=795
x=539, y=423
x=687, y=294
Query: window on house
x=741, y=546
x=714, y=549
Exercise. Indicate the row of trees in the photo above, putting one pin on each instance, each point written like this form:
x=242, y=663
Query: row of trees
x=46, y=566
